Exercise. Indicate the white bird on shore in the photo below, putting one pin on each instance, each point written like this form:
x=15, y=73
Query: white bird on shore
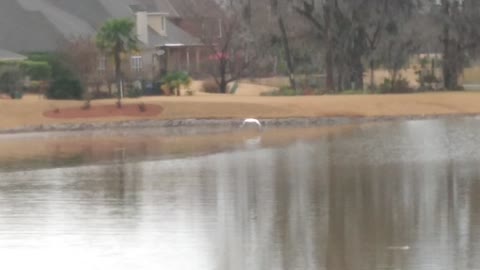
x=398, y=247
x=251, y=121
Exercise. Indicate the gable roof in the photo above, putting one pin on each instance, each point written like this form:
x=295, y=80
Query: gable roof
x=175, y=36
x=43, y=25
x=197, y=8
x=10, y=56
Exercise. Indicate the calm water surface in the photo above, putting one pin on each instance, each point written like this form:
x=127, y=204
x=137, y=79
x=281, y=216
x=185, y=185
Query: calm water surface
x=400, y=195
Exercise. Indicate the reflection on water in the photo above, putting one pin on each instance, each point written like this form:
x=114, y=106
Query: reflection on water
x=27, y=151
x=400, y=195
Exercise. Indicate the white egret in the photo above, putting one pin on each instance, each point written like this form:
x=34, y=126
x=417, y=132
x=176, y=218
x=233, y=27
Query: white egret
x=251, y=121
x=398, y=248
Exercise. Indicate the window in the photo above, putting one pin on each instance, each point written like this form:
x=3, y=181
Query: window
x=102, y=63
x=163, y=22
x=136, y=63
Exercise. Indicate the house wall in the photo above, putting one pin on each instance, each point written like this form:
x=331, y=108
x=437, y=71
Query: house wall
x=142, y=26
x=157, y=22
x=190, y=60
x=204, y=28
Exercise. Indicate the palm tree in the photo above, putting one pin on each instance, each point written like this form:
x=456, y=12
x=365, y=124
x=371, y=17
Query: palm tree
x=117, y=36
x=174, y=81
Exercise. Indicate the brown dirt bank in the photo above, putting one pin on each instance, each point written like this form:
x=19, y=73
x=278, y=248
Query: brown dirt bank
x=29, y=111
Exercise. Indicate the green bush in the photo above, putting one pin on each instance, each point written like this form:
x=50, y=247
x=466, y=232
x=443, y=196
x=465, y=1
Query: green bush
x=58, y=67
x=37, y=70
x=10, y=78
x=64, y=84
x=65, y=88
x=175, y=80
x=134, y=92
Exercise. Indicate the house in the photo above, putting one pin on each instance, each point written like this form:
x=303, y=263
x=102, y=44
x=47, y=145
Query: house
x=170, y=30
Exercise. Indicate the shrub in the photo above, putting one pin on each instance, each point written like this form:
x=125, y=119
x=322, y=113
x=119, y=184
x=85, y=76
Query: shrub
x=35, y=87
x=282, y=91
x=86, y=105
x=166, y=90
x=100, y=95
x=427, y=82
x=401, y=85
x=174, y=81
x=210, y=86
x=190, y=92
x=134, y=92
x=64, y=83
x=142, y=107
x=10, y=79
x=37, y=70
x=58, y=67
x=65, y=88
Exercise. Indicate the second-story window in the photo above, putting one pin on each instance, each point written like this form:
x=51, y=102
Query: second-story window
x=136, y=63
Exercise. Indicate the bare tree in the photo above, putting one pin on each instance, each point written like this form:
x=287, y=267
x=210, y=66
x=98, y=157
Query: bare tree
x=396, y=51
x=81, y=55
x=320, y=14
x=285, y=24
x=351, y=32
x=233, y=55
x=460, y=36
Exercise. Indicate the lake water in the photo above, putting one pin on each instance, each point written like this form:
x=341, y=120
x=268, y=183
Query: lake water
x=397, y=195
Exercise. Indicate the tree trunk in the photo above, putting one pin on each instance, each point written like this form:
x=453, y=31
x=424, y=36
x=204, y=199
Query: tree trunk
x=340, y=82
x=450, y=76
x=446, y=68
x=223, y=86
x=118, y=71
x=288, y=56
x=372, y=75
x=394, y=81
x=109, y=85
x=330, y=84
x=357, y=74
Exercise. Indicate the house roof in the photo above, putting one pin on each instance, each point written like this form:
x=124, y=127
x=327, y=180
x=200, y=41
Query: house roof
x=163, y=6
x=175, y=36
x=197, y=8
x=43, y=25
x=11, y=56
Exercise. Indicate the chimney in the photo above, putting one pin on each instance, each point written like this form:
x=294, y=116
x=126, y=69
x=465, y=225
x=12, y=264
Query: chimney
x=142, y=26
